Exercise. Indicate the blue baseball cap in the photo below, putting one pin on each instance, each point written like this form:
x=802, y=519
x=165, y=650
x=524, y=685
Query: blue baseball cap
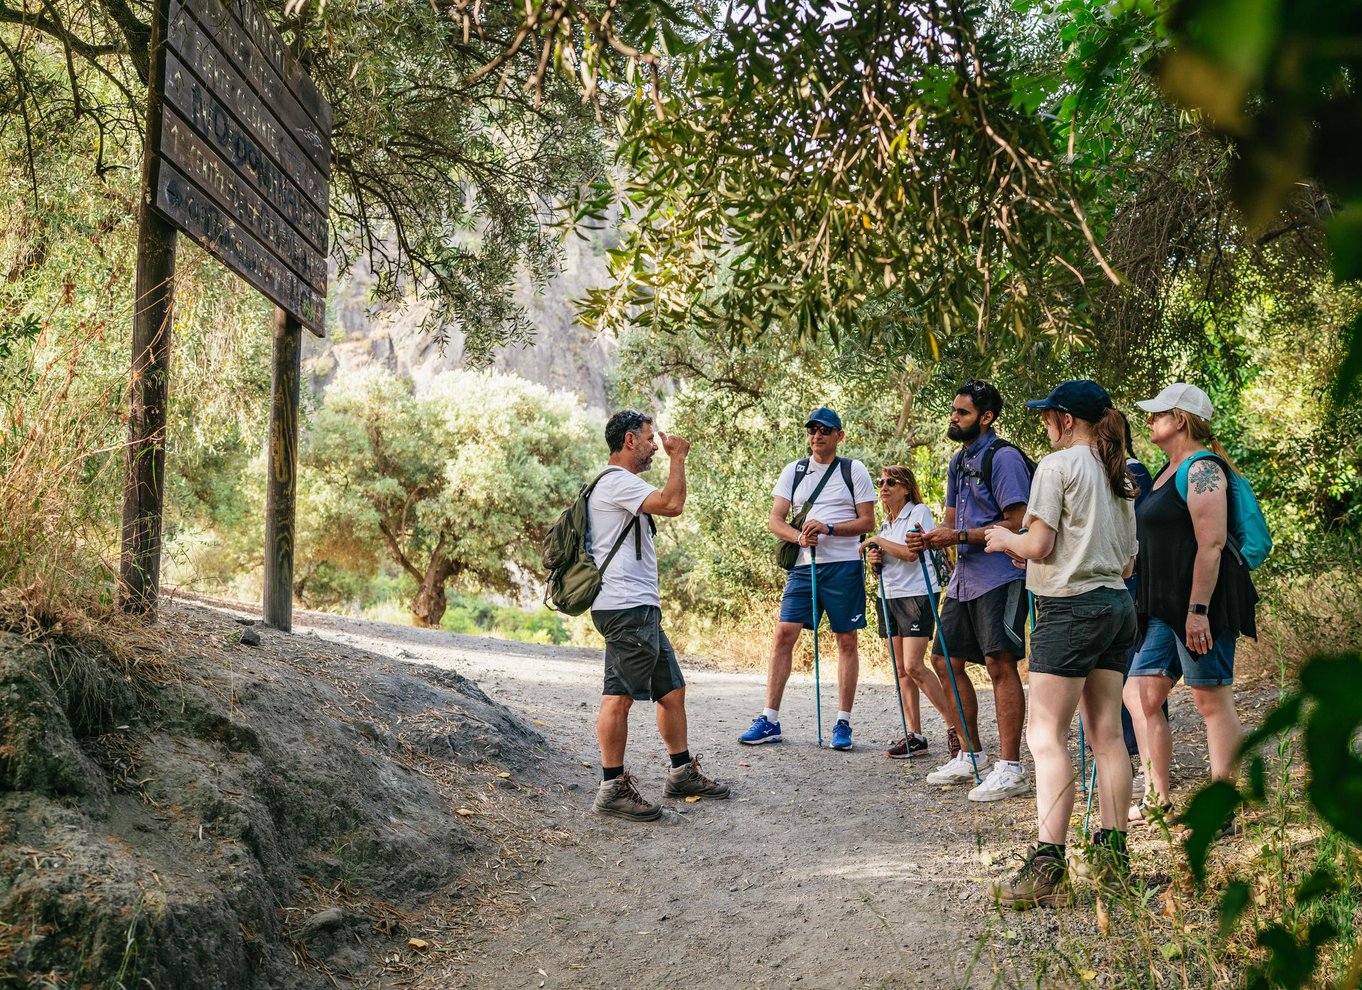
x=826, y=417
x=1082, y=398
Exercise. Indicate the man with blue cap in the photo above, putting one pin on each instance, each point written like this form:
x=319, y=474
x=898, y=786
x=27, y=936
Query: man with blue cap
x=833, y=504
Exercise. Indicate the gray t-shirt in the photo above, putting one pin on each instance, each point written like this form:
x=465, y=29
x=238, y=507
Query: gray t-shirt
x=1094, y=528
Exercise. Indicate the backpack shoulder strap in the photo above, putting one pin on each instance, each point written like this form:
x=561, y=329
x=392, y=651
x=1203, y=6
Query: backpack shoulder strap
x=619, y=542
x=821, y=485
x=846, y=477
x=801, y=469
x=1185, y=469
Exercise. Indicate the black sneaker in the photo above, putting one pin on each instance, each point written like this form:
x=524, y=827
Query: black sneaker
x=620, y=797
x=914, y=745
x=1039, y=883
x=687, y=780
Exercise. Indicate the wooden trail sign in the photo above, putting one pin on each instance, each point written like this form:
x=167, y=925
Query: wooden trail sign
x=238, y=156
x=241, y=159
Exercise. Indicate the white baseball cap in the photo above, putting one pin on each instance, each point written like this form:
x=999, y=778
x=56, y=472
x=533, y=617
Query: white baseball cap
x=1182, y=396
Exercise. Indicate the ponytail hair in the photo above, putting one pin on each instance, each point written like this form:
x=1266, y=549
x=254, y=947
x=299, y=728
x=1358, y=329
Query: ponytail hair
x=1201, y=431
x=1109, y=436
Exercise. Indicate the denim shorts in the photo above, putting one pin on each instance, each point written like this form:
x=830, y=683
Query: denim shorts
x=1082, y=633
x=841, y=596
x=1163, y=654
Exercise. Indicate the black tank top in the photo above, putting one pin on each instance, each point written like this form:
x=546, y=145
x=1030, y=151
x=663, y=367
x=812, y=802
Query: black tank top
x=1163, y=527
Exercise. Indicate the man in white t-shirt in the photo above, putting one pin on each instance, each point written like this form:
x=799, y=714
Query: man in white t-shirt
x=639, y=661
x=843, y=509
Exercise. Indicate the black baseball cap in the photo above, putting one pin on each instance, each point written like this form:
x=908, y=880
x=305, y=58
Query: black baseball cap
x=1082, y=398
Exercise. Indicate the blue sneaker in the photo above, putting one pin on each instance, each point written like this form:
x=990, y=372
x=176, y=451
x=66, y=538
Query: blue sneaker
x=841, y=734
x=762, y=731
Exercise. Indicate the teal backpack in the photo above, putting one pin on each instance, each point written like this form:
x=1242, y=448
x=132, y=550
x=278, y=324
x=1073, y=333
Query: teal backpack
x=1248, y=528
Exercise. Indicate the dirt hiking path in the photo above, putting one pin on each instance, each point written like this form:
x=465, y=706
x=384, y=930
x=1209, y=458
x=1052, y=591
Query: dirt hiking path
x=824, y=870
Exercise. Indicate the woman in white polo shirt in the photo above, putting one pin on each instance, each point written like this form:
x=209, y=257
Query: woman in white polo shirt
x=906, y=590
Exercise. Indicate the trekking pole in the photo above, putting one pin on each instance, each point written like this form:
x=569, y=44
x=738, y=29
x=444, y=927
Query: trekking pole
x=945, y=652
x=817, y=690
x=893, y=660
x=1092, y=789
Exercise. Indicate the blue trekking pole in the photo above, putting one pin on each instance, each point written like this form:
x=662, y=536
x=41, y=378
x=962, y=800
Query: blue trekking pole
x=817, y=690
x=893, y=660
x=945, y=652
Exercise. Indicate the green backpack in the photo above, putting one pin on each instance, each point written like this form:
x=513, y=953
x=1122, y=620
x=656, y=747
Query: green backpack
x=574, y=579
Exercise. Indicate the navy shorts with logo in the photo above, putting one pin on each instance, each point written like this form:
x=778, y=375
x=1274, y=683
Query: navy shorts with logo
x=639, y=659
x=993, y=623
x=908, y=617
x=841, y=596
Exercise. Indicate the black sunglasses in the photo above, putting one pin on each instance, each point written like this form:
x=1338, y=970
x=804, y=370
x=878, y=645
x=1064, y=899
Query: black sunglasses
x=820, y=429
x=891, y=482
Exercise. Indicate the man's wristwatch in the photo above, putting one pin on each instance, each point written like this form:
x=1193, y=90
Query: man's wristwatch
x=1199, y=609
x=962, y=536
x=832, y=529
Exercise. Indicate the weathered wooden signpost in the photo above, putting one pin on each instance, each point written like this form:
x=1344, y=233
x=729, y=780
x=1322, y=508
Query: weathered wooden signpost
x=238, y=157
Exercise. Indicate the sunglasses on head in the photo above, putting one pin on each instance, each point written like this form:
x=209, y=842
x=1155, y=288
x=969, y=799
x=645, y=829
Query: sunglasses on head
x=820, y=430
x=891, y=482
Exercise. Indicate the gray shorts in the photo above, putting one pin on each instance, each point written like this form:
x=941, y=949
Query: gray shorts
x=1077, y=635
x=639, y=659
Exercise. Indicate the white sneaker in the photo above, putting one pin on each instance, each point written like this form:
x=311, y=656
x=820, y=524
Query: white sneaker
x=957, y=770
x=1002, y=782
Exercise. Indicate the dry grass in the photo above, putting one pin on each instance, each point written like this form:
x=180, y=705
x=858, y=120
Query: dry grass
x=61, y=445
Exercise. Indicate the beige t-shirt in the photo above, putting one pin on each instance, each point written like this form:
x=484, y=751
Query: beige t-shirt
x=1094, y=529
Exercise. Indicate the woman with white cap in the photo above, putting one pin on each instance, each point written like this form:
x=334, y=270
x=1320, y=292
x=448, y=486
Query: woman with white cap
x=1194, y=598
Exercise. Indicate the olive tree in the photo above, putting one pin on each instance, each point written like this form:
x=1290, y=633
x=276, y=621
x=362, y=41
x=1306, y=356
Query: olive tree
x=457, y=483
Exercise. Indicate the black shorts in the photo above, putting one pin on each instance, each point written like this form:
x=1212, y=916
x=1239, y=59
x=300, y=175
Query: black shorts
x=639, y=659
x=1075, y=636
x=993, y=623
x=907, y=617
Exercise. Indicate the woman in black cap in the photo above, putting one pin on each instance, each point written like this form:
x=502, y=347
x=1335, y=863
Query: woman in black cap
x=1078, y=545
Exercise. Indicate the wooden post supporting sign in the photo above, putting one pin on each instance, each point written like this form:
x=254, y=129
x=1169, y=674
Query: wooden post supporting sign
x=140, y=566
x=238, y=157
x=283, y=468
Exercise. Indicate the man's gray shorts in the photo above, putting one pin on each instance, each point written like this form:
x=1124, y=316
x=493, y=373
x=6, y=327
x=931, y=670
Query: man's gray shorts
x=639, y=659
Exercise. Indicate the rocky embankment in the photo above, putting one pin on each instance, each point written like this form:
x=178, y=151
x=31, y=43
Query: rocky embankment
x=180, y=808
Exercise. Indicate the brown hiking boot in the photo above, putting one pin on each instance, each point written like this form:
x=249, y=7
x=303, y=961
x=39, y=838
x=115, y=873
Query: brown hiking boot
x=1039, y=883
x=687, y=779
x=1105, y=860
x=620, y=797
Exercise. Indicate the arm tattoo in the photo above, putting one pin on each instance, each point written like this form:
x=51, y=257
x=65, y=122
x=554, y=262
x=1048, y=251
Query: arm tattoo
x=1205, y=477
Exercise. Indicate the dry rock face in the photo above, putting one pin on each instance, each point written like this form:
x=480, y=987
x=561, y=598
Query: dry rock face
x=186, y=819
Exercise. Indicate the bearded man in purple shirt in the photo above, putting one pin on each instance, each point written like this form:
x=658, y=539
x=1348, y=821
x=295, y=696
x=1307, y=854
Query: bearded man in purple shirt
x=983, y=619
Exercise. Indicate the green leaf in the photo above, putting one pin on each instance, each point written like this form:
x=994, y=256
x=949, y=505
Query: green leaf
x=1209, y=810
x=1319, y=883
x=1232, y=904
x=1278, y=720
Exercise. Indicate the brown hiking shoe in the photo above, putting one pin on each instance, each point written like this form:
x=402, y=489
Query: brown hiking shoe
x=685, y=780
x=1039, y=883
x=1105, y=860
x=620, y=797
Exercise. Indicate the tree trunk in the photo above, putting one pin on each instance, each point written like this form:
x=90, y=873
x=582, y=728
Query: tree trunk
x=428, y=606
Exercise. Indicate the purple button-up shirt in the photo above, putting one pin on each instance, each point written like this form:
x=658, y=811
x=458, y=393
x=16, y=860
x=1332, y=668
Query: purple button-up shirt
x=978, y=572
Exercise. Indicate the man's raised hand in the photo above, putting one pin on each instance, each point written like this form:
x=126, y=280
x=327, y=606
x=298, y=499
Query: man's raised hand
x=674, y=446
